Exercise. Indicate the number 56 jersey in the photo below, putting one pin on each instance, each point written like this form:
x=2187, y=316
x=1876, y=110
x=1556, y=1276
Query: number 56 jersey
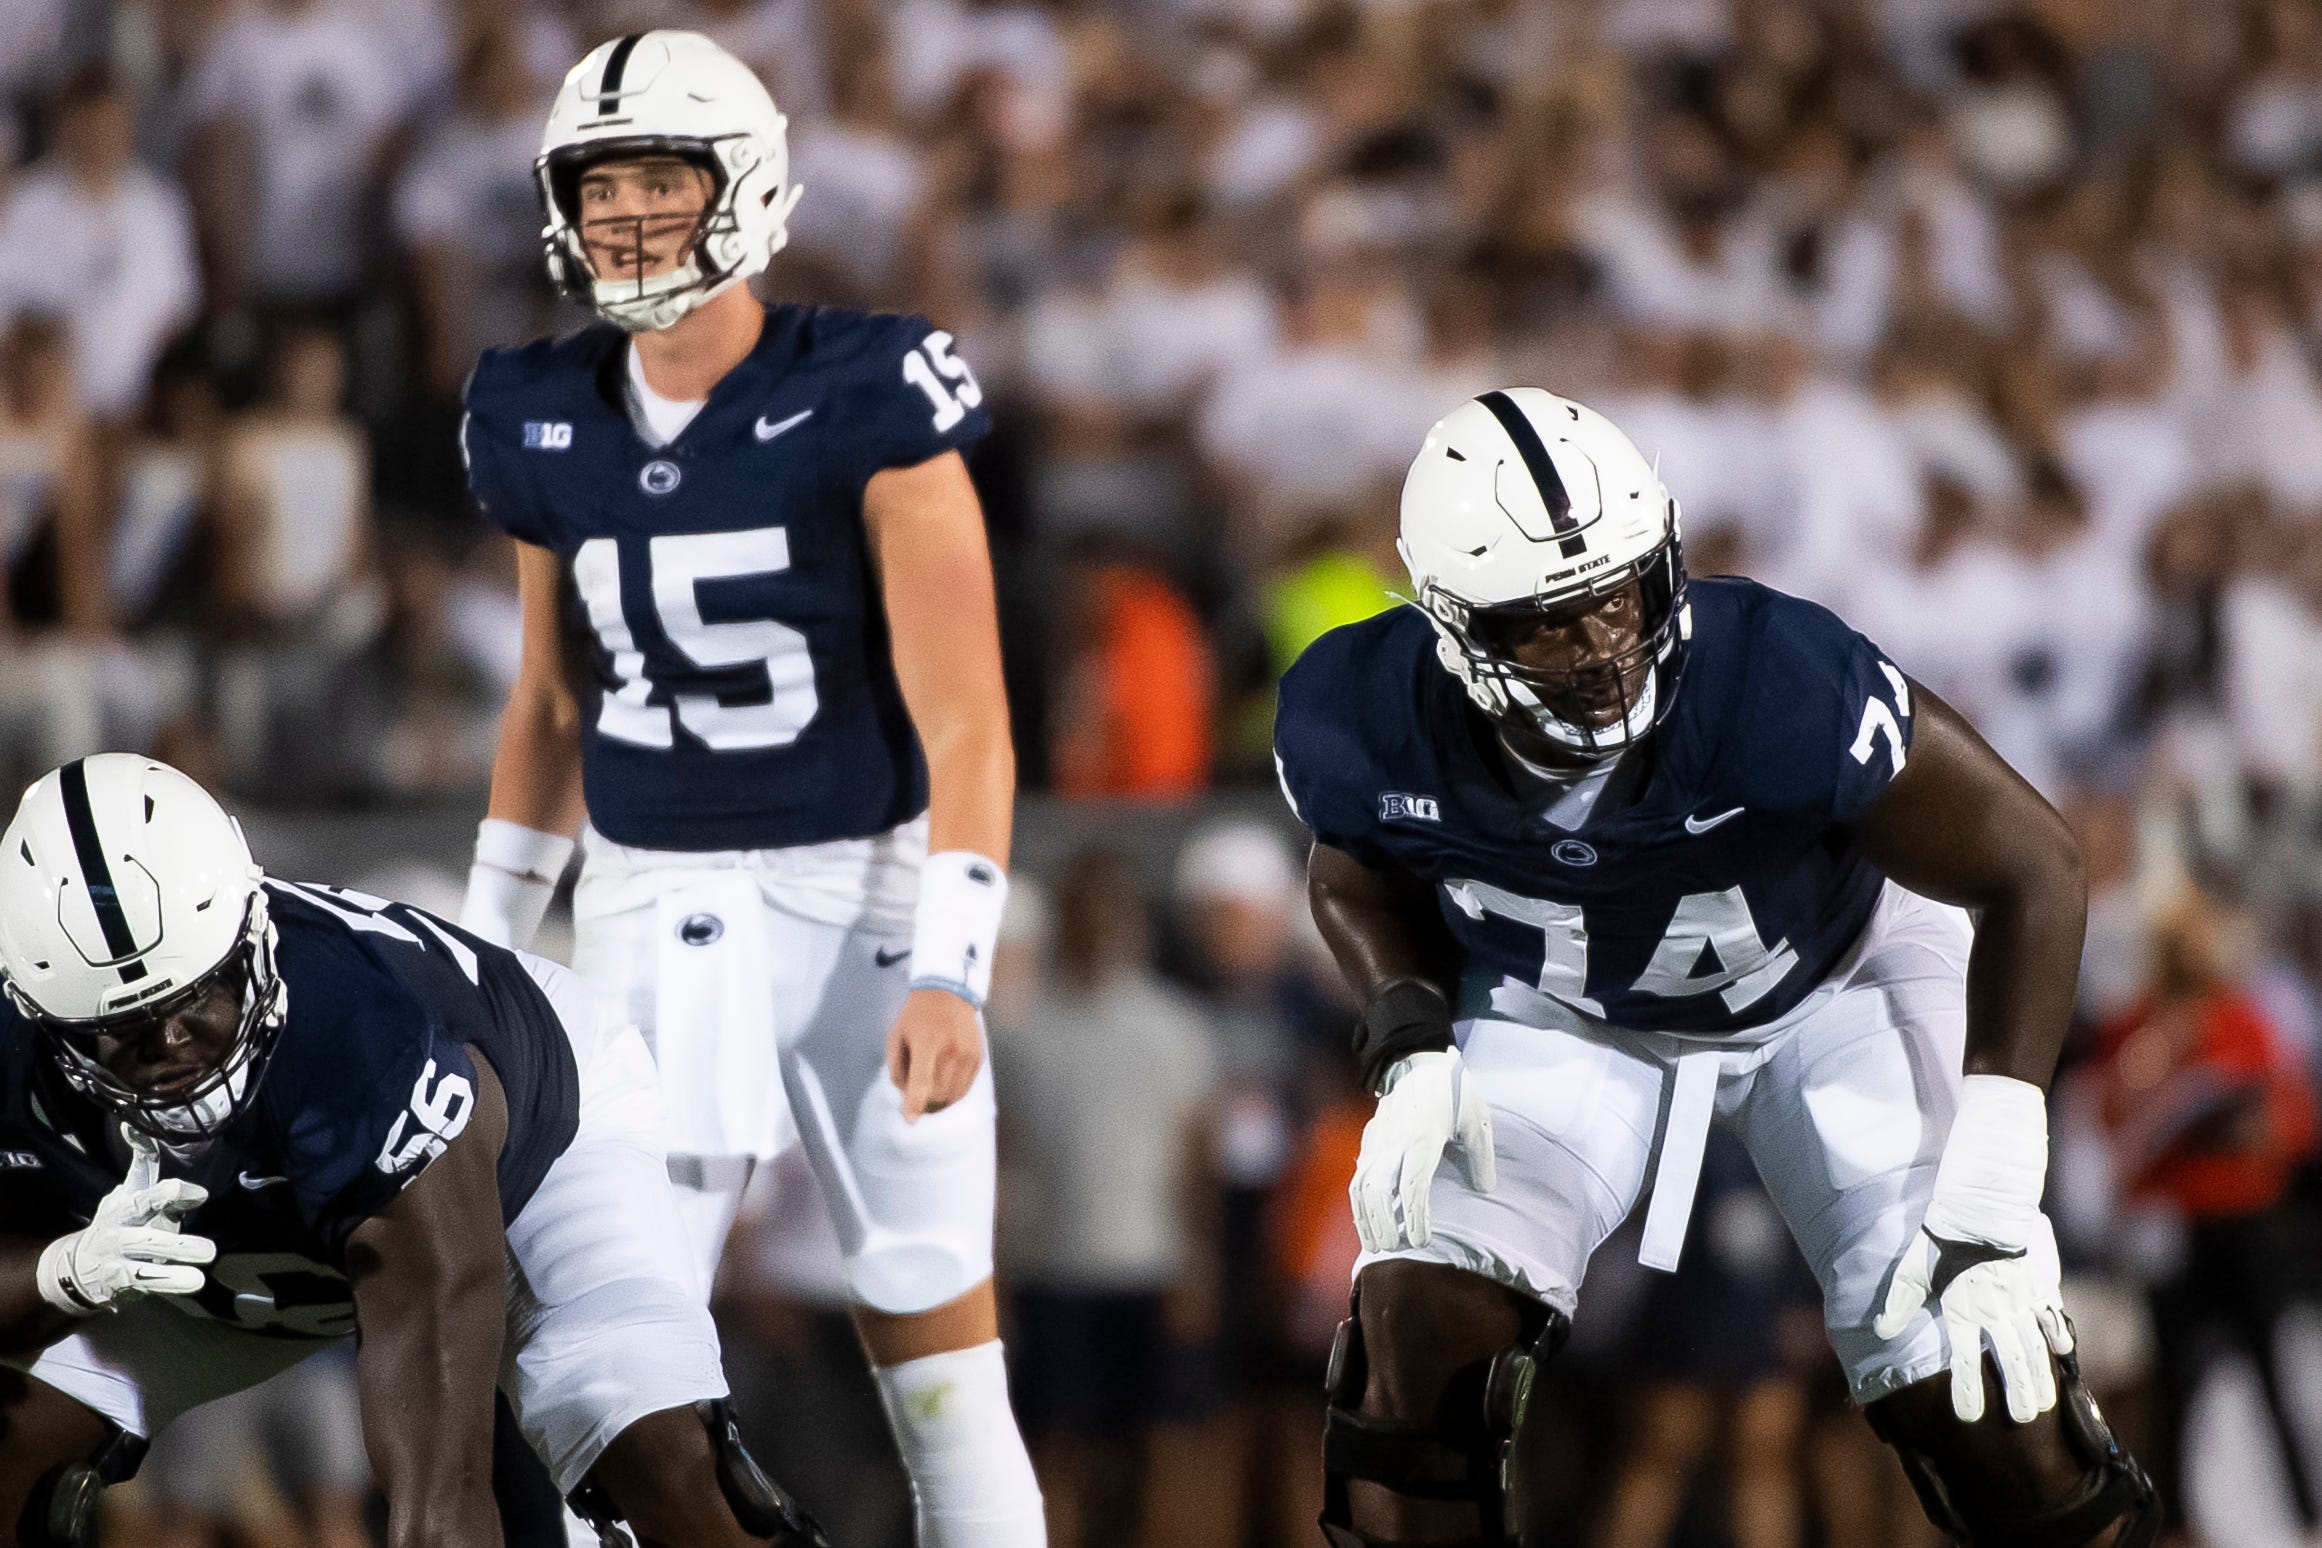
x=1714, y=882
x=739, y=691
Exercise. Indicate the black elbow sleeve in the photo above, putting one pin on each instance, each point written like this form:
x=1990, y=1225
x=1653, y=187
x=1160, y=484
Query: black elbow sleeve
x=1403, y=1016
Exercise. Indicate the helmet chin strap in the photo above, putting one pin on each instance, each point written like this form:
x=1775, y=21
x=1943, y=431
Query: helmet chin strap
x=1573, y=739
x=647, y=306
x=199, y=1120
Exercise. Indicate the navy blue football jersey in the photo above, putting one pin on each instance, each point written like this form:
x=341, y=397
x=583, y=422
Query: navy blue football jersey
x=741, y=691
x=370, y=1078
x=1714, y=882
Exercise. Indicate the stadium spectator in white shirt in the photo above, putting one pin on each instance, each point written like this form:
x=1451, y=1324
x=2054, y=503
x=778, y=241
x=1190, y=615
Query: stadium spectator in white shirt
x=295, y=101
x=102, y=242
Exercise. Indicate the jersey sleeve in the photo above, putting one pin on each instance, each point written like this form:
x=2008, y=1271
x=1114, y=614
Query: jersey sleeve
x=1318, y=755
x=491, y=436
x=918, y=399
x=394, y=1092
x=1827, y=721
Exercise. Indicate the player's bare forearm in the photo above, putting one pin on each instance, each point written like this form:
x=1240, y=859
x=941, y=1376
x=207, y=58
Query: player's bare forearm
x=536, y=779
x=1960, y=826
x=1380, y=926
x=27, y=1322
x=926, y=533
x=431, y=1302
x=536, y=770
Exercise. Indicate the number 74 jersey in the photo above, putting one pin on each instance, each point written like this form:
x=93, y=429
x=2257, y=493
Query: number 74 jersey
x=1714, y=883
x=740, y=692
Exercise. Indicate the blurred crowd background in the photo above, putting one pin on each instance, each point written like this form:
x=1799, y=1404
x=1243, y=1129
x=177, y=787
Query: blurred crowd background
x=1993, y=325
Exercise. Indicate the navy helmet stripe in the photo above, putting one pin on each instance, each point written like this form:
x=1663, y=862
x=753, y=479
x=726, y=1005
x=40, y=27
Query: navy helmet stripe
x=1541, y=466
x=81, y=819
x=616, y=66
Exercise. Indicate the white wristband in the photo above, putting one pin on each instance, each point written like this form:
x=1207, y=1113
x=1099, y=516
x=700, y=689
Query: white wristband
x=1995, y=1164
x=510, y=884
x=961, y=896
x=53, y=1274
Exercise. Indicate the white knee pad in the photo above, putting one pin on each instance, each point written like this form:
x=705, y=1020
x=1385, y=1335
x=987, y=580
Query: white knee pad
x=912, y=1201
x=585, y=1371
x=903, y=1275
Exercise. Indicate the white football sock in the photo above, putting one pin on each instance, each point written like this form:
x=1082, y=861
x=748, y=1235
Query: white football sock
x=970, y=1476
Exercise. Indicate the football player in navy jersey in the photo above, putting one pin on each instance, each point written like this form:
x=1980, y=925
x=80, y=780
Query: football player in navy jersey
x=243, y=1118
x=761, y=661
x=1609, y=855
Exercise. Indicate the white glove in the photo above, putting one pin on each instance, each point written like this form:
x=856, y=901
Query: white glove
x=133, y=1246
x=1986, y=1256
x=512, y=880
x=1426, y=1101
x=2016, y=1303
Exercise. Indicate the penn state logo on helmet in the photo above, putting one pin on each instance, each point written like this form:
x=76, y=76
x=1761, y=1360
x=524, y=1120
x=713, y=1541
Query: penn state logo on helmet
x=667, y=93
x=125, y=892
x=1525, y=512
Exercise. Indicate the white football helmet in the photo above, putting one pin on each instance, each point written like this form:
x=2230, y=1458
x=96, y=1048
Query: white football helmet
x=124, y=889
x=1522, y=503
x=667, y=93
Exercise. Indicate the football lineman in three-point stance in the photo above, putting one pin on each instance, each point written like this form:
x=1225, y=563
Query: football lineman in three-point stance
x=747, y=533
x=1609, y=855
x=244, y=1118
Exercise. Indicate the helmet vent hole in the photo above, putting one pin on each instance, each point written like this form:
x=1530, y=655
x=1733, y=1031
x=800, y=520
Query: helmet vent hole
x=203, y=906
x=1455, y=454
x=26, y=851
x=149, y=808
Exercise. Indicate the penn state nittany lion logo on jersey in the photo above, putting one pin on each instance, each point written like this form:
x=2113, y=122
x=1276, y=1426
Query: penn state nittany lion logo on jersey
x=1704, y=892
x=741, y=693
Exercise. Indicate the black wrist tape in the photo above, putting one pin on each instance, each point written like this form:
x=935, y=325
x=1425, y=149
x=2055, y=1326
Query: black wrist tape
x=1405, y=1016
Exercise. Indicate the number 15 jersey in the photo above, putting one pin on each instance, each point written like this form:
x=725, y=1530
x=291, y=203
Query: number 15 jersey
x=739, y=690
x=1714, y=884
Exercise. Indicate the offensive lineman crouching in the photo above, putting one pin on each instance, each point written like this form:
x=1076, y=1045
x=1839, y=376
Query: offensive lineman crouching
x=334, y=1113
x=1687, y=852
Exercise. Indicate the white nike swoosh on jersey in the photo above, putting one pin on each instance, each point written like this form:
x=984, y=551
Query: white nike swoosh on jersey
x=248, y=1181
x=767, y=432
x=1698, y=825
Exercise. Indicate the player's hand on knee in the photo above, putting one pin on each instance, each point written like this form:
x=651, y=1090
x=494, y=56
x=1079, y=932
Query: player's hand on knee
x=1427, y=1101
x=934, y=1051
x=133, y=1246
x=1985, y=1257
x=2011, y=1299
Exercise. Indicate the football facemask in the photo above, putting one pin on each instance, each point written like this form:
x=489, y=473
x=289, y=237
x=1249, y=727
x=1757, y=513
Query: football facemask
x=193, y=1109
x=1611, y=692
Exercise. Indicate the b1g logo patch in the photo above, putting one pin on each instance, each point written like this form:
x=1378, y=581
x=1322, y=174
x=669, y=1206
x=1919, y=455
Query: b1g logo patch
x=1412, y=808
x=700, y=929
x=547, y=435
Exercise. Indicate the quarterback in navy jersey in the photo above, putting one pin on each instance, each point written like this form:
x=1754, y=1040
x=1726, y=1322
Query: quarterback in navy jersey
x=1609, y=855
x=761, y=673
x=245, y=1118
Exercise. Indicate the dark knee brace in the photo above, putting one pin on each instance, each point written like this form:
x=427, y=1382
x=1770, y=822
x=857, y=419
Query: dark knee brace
x=1469, y=1459
x=762, y=1507
x=2113, y=1488
x=61, y=1511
